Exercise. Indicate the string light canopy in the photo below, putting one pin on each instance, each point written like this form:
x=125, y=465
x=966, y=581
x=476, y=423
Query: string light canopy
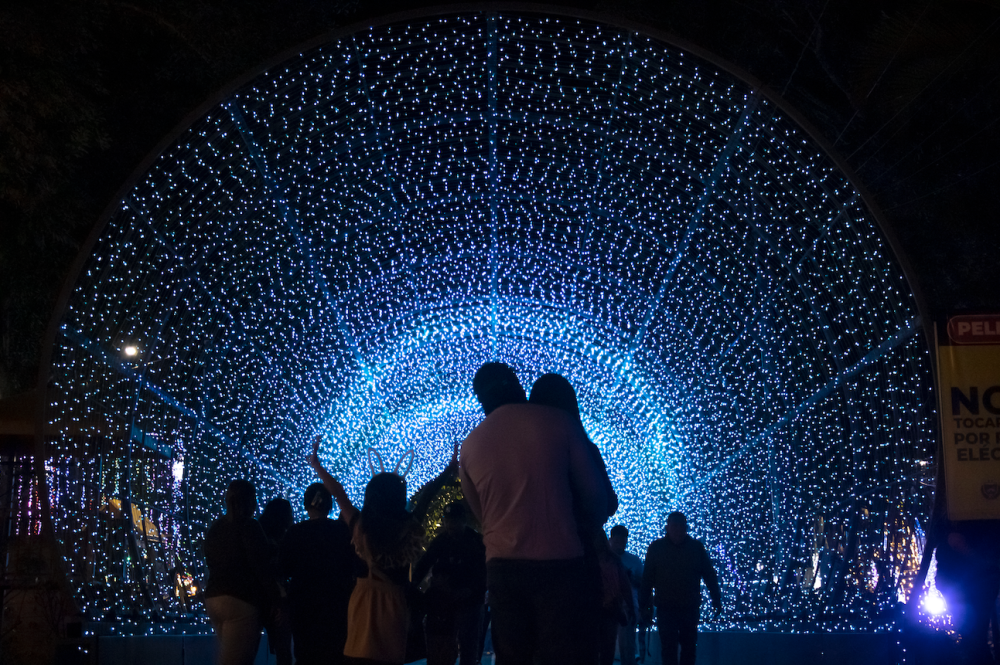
x=337, y=246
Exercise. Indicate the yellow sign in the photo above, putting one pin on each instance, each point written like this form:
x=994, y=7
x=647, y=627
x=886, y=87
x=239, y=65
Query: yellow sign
x=969, y=394
x=144, y=525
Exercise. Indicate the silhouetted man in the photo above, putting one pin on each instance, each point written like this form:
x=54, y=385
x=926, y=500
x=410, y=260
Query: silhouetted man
x=675, y=567
x=456, y=559
x=321, y=565
x=521, y=470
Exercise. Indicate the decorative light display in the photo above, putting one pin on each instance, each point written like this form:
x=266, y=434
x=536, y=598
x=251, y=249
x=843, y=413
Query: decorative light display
x=341, y=243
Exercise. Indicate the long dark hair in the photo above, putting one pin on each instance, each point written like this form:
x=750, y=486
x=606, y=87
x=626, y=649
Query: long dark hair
x=393, y=537
x=556, y=391
x=276, y=517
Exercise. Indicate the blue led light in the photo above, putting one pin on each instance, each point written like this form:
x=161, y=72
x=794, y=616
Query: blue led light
x=340, y=244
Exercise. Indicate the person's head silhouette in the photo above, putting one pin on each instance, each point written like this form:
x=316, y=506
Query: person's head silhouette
x=556, y=391
x=495, y=384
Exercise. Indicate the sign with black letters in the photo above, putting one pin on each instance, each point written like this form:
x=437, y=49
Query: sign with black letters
x=969, y=395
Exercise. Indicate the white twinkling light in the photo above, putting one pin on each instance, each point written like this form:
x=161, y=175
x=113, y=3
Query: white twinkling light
x=340, y=244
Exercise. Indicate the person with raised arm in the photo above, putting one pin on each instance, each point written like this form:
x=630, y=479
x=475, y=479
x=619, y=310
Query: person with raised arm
x=389, y=539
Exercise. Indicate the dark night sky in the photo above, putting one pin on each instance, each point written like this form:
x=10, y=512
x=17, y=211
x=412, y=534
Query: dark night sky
x=906, y=91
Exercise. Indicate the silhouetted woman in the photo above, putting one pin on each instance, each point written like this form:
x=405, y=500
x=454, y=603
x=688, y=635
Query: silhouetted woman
x=608, y=576
x=556, y=391
x=275, y=519
x=242, y=585
x=389, y=539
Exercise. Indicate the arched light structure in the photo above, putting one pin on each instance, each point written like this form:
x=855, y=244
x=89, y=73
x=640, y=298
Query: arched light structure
x=338, y=245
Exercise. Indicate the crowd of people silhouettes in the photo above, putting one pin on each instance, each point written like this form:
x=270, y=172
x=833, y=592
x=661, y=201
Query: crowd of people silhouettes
x=367, y=589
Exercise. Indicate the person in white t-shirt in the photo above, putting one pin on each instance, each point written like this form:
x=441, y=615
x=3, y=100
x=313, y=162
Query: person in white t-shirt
x=522, y=468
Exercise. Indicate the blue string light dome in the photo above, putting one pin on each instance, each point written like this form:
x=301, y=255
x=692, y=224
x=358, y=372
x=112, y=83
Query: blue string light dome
x=340, y=243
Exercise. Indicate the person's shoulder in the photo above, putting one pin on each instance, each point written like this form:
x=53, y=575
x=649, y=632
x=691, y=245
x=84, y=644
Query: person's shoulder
x=633, y=558
x=328, y=527
x=696, y=545
x=518, y=411
x=479, y=433
x=299, y=526
x=296, y=531
x=657, y=544
x=216, y=528
x=338, y=535
x=253, y=528
x=557, y=424
x=548, y=413
x=289, y=537
x=499, y=421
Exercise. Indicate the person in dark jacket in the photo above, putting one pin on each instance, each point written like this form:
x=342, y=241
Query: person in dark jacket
x=633, y=568
x=276, y=518
x=242, y=582
x=674, y=568
x=319, y=560
x=456, y=559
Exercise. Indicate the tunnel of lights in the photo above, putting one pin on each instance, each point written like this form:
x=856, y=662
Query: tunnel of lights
x=337, y=245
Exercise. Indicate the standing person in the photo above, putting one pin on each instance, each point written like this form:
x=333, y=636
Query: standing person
x=389, y=539
x=675, y=567
x=633, y=568
x=523, y=469
x=319, y=560
x=608, y=578
x=555, y=390
x=275, y=519
x=242, y=584
x=456, y=560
